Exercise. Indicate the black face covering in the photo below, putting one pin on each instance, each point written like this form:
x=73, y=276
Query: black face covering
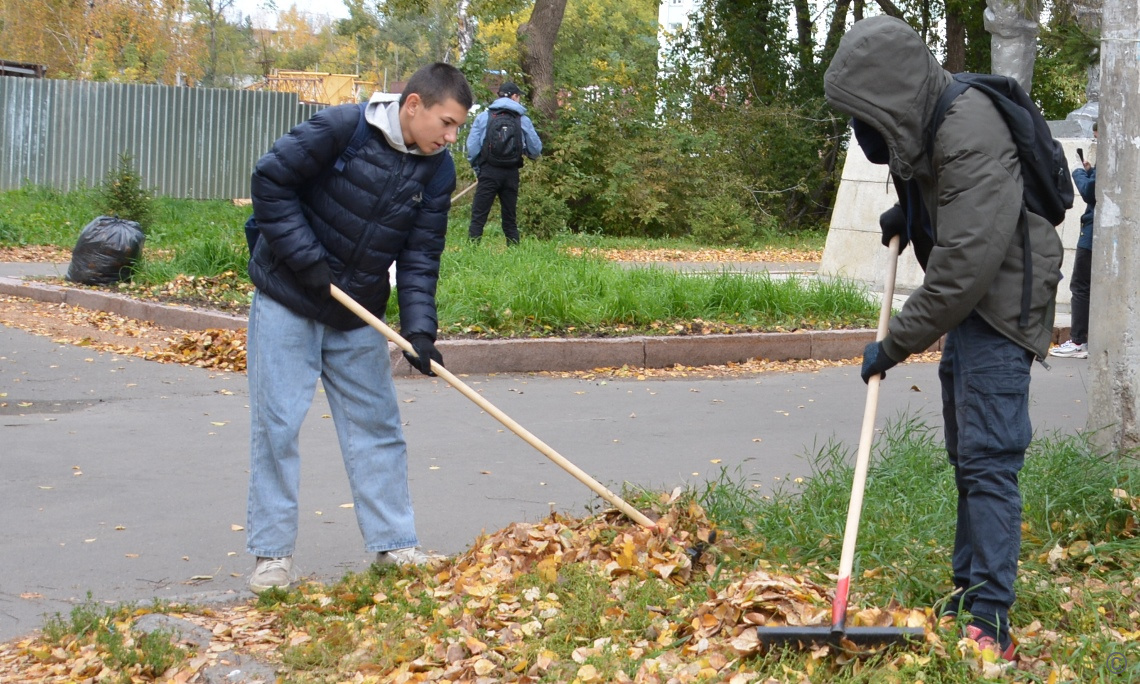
x=871, y=141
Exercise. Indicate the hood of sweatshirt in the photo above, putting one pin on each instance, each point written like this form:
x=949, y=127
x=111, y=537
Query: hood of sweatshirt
x=386, y=117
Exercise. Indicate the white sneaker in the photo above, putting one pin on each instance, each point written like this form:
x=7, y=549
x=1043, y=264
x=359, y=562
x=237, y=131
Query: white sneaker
x=1070, y=350
x=271, y=573
x=405, y=557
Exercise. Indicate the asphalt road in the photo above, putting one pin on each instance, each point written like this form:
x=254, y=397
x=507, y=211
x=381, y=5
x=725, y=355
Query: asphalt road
x=125, y=479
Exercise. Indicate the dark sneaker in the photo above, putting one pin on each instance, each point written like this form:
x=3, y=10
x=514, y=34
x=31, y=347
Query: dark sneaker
x=271, y=573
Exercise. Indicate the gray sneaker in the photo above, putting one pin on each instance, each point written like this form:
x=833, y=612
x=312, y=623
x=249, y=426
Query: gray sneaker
x=271, y=573
x=409, y=556
x=1070, y=350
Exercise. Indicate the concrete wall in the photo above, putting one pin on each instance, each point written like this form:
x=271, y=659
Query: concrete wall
x=854, y=244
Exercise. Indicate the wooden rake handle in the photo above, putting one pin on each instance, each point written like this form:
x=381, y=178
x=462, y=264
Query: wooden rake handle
x=599, y=489
x=863, y=456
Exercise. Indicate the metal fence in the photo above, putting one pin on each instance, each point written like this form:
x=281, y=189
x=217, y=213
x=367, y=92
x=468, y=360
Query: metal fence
x=198, y=143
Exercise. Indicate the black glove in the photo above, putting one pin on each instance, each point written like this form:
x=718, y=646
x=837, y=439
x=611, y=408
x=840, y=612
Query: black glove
x=317, y=277
x=876, y=362
x=893, y=222
x=425, y=353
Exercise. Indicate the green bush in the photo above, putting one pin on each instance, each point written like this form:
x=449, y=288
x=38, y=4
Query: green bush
x=123, y=195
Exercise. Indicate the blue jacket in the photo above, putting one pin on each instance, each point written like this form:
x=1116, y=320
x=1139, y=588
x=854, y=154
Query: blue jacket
x=532, y=144
x=385, y=206
x=1086, y=186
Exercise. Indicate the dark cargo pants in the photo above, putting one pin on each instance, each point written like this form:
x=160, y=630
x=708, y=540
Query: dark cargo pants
x=985, y=407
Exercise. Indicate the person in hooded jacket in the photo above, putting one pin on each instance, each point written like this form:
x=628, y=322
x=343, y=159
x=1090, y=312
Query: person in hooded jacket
x=322, y=225
x=500, y=181
x=961, y=207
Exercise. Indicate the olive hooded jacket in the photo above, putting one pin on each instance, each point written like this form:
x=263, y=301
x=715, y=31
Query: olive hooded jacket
x=885, y=76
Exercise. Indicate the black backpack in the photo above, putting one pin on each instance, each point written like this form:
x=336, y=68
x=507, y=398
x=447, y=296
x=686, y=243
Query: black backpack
x=1044, y=170
x=1048, y=189
x=502, y=141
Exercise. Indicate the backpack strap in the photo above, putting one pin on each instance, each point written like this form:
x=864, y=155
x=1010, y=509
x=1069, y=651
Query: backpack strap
x=359, y=137
x=956, y=88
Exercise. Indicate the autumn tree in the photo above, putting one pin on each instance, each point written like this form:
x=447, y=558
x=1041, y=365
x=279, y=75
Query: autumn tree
x=49, y=32
x=536, y=47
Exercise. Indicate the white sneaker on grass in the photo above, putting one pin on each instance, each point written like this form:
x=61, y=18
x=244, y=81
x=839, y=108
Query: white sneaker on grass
x=271, y=573
x=408, y=556
x=1070, y=350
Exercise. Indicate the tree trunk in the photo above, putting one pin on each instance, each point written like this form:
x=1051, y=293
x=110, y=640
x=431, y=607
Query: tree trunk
x=536, y=43
x=1114, y=327
x=955, y=43
x=465, y=33
x=805, y=42
x=836, y=30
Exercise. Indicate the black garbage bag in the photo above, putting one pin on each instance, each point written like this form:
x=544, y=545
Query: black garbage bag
x=106, y=250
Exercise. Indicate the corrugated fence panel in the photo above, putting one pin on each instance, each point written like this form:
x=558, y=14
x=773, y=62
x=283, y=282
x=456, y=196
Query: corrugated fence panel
x=185, y=142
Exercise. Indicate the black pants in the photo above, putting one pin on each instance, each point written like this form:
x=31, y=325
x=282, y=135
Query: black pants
x=1079, y=304
x=495, y=182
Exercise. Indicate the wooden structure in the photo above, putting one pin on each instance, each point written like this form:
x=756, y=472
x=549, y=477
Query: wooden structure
x=316, y=87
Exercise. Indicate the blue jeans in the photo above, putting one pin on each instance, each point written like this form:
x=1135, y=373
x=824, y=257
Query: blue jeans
x=286, y=354
x=985, y=407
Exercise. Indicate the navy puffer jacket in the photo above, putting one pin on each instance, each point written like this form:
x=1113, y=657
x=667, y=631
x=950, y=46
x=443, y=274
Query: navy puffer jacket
x=384, y=206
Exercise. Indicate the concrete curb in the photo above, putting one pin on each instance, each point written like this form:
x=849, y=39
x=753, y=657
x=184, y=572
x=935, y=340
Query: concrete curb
x=184, y=317
x=514, y=356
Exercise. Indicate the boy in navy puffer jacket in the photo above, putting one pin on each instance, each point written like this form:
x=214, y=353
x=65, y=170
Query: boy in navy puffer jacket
x=322, y=223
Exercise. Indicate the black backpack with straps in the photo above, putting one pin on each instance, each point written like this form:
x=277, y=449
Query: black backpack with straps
x=503, y=141
x=1047, y=188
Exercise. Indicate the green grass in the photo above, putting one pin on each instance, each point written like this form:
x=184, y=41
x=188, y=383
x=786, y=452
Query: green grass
x=106, y=629
x=537, y=289
x=41, y=216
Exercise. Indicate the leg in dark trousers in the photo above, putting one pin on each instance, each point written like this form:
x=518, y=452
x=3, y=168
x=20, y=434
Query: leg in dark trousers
x=1080, y=287
x=508, y=204
x=985, y=394
x=485, y=195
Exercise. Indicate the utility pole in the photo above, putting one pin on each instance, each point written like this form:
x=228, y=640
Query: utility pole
x=1114, y=331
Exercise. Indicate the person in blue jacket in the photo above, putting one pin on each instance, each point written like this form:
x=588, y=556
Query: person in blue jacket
x=1077, y=346
x=329, y=217
x=500, y=177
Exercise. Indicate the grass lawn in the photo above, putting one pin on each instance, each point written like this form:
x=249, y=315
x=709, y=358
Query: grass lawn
x=195, y=253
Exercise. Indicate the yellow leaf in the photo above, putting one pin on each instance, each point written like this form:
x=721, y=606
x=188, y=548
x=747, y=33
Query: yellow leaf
x=236, y=528
x=548, y=569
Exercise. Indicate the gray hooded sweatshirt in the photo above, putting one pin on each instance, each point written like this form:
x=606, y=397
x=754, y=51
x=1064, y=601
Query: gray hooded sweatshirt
x=885, y=76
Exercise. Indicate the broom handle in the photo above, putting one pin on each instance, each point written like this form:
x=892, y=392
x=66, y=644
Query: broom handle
x=598, y=488
x=863, y=456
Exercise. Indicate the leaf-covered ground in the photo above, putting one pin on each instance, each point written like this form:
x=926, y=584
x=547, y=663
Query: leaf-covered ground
x=598, y=599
